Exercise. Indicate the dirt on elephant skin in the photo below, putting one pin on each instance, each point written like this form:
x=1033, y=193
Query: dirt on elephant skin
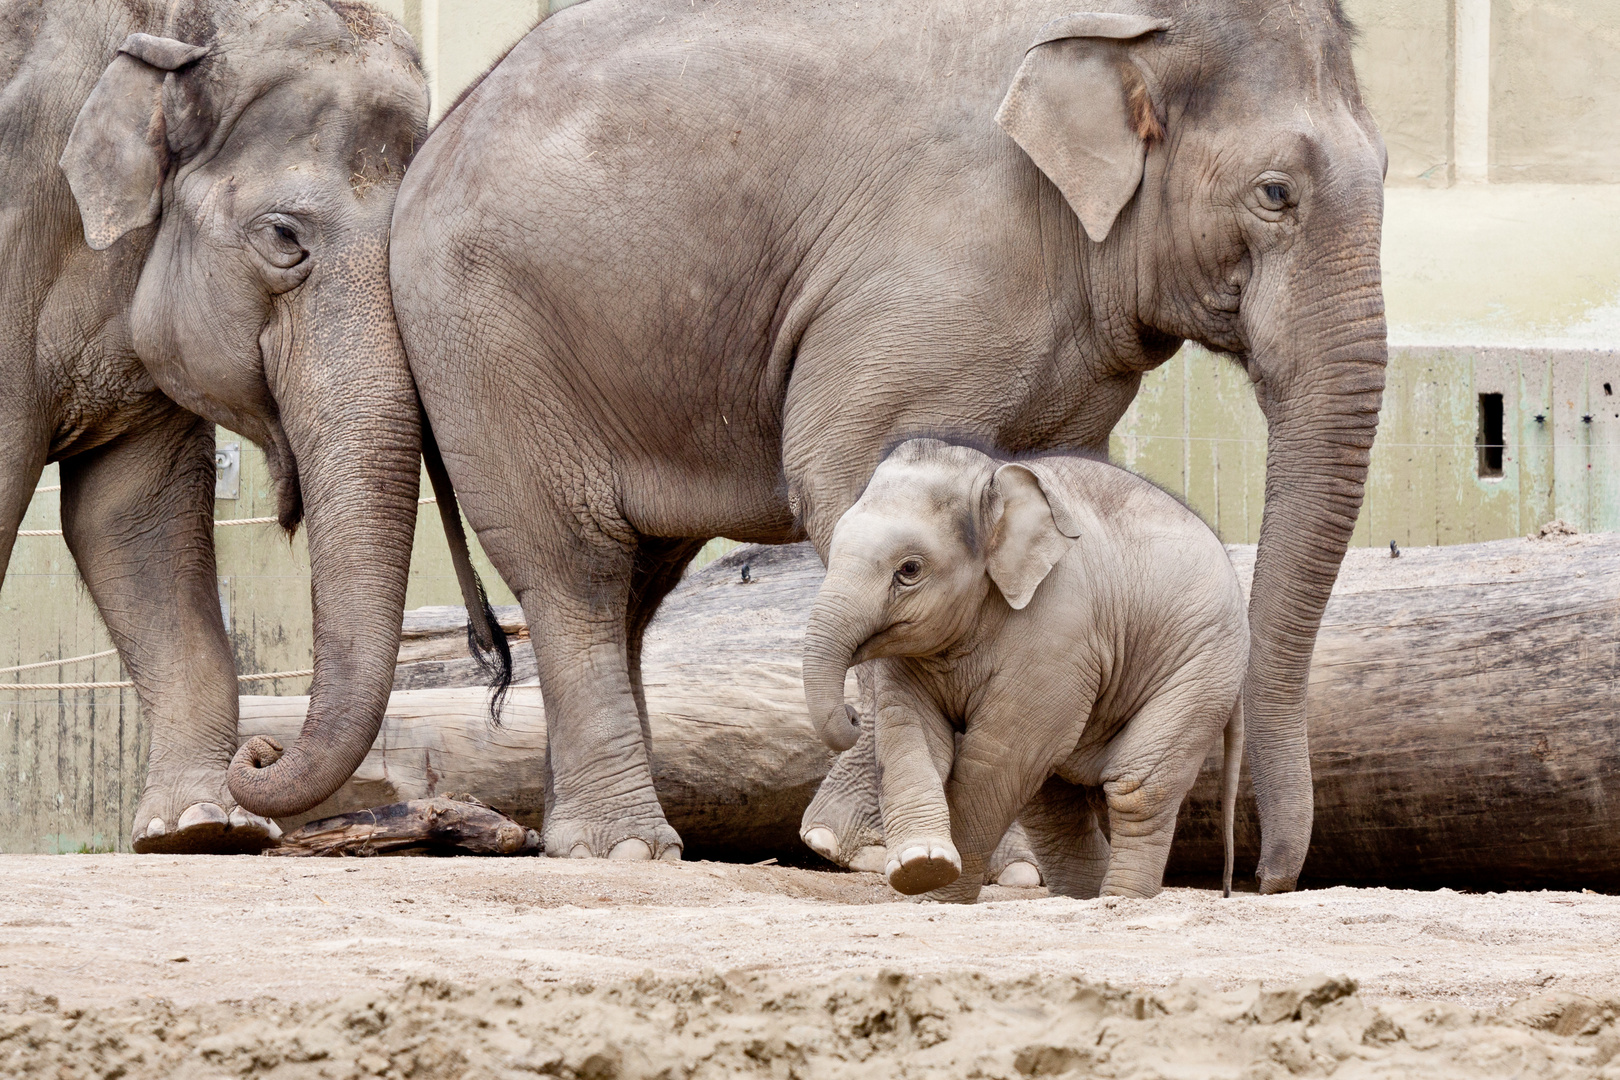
x=886, y=1024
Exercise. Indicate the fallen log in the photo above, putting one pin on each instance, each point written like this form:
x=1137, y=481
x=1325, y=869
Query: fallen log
x=1463, y=710
x=447, y=825
x=735, y=758
x=1464, y=721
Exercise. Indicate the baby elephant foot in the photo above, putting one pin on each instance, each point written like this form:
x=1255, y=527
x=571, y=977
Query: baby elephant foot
x=1013, y=861
x=868, y=858
x=1020, y=874
x=922, y=865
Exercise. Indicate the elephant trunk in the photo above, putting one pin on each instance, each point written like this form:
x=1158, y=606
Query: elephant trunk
x=1321, y=402
x=840, y=623
x=349, y=410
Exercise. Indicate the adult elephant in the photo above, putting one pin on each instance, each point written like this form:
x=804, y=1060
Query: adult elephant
x=194, y=206
x=675, y=271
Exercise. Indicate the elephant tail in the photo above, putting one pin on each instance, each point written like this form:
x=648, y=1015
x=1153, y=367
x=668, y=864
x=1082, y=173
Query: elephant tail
x=1232, y=749
x=486, y=641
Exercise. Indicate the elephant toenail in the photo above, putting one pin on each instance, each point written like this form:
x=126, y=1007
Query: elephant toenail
x=579, y=851
x=242, y=819
x=822, y=841
x=1020, y=874
x=157, y=827
x=671, y=854
x=631, y=850
x=203, y=813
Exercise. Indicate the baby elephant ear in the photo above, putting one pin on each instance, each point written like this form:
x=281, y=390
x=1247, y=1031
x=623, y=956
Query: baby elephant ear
x=118, y=153
x=1080, y=109
x=1026, y=542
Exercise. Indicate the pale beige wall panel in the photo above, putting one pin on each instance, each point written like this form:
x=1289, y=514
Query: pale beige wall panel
x=1403, y=61
x=1555, y=91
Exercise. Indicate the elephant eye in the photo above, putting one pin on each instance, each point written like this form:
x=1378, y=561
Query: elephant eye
x=275, y=236
x=908, y=572
x=1275, y=193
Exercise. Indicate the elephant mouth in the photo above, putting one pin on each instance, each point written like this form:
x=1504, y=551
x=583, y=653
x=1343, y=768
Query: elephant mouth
x=283, y=468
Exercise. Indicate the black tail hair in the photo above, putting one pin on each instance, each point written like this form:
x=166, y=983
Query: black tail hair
x=486, y=641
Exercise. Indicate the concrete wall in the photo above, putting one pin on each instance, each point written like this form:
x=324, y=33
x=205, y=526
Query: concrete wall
x=1536, y=82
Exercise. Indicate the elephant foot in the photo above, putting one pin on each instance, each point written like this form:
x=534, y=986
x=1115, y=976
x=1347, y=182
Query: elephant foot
x=867, y=858
x=631, y=850
x=199, y=818
x=1269, y=885
x=1013, y=862
x=1020, y=875
x=844, y=823
x=923, y=865
x=640, y=841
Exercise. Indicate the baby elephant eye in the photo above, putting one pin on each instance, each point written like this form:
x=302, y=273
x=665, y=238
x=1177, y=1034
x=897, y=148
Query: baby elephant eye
x=908, y=571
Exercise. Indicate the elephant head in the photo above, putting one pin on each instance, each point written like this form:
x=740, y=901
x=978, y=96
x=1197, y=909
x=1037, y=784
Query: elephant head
x=1225, y=161
x=254, y=150
x=940, y=532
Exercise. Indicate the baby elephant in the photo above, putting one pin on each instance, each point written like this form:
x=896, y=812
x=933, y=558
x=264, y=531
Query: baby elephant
x=1082, y=630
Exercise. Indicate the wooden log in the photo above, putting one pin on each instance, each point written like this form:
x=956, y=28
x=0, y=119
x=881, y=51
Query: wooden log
x=1463, y=709
x=735, y=758
x=446, y=825
x=1464, y=720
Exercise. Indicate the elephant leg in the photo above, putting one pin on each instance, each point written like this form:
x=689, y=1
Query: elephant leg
x=600, y=800
x=138, y=515
x=915, y=749
x=1151, y=765
x=844, y=822
x=659, y=564
x=1063, y=825
x=990, y=784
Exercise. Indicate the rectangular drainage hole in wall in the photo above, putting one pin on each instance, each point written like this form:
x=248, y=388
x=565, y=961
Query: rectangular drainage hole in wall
x=1489, y=440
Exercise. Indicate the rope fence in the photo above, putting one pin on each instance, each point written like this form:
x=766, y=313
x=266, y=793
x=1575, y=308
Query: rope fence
x=125, y=684
x=219, y=524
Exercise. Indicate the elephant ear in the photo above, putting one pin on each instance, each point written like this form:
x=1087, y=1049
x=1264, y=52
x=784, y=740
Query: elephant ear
x=118, y=154
x=1028, y=538
x=1080, y=109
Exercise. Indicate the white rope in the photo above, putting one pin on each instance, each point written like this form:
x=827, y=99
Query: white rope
x=125, y=684
x=220, y=524
x=59, y=663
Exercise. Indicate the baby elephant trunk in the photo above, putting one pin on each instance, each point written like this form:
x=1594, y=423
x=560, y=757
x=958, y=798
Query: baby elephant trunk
x=839, y=624
x=1232, y=749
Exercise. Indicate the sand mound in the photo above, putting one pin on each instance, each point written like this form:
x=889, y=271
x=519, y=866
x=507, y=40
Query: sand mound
x=856, y=1025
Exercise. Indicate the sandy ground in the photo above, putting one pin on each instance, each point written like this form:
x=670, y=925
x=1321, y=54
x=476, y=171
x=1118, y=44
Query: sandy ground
x=178, y=951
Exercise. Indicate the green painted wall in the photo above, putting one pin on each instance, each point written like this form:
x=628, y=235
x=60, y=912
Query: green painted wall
x=1195, y=429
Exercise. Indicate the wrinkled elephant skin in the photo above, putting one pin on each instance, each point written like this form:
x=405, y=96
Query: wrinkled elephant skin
x=194, y=198
x=676, y=271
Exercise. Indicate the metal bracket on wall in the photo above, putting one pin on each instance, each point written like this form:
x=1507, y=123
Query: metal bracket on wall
x=227, y=470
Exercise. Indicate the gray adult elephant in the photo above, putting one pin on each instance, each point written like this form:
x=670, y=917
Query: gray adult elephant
x=673, y=271
x=194, y=204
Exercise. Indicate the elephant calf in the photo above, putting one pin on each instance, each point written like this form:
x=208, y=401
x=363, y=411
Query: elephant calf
x=1083, y=630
